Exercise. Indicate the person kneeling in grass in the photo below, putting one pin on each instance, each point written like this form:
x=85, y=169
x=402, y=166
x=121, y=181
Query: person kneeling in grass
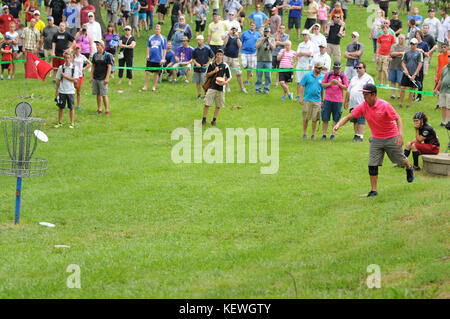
x=65, y=89
x=387, y=134
x=426, y=134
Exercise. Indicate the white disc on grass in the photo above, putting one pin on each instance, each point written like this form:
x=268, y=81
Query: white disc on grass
x=41, y=136
x=46, y=224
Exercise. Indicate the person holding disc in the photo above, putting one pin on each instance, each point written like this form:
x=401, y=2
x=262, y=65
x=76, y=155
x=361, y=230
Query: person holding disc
x=218, y=75
x=387, y=134
x=426, y=141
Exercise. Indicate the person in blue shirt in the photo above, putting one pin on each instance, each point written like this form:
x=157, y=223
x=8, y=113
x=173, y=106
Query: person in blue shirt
x=295, y=16
x=416, y=16
x=15, y=9
x=170, y=62
x=248, y=51
x=156, y=56
x=260, y=18
x=311, y=98
x=70, y=16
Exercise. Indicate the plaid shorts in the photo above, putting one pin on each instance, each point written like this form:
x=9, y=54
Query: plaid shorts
x=248, y=61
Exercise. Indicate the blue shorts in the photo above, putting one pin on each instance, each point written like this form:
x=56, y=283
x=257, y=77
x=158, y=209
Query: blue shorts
x=395, y=76
x=360, y=120
x=142, y=16
x=331, y=107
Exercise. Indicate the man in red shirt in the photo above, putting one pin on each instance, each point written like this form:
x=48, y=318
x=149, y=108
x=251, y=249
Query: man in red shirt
x=86, y=8
x=387, y=134
x=5, y=19
x=384, y=43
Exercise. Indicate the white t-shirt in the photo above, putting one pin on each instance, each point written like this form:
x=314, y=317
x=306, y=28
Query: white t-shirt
x=434, y=26
x=95, y=32
x=233, y=23
x=78, y=62
x=443, y=29
x=14, y=36
x=127, y=4
x=355, y=87
x=66, y=86
x=305, y=61
x=325, y=59
x=318, y=39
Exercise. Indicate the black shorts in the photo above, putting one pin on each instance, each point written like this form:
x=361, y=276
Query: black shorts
x=153, y=65
x=5, y=66
x=406, y=82
x=309, y=23
x=162, y=9
x=214, y=48
x=126, y=14
x=285, y=76
x=112, y=51
x=68, y=99
x=294, y=22
x=199, y=26
x=275, y=63
x=345, y=13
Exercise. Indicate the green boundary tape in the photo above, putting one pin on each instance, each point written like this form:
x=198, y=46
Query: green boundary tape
x=261, y=70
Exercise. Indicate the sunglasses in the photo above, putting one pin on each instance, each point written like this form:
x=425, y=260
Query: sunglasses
x=359, y=67
x=336, y=17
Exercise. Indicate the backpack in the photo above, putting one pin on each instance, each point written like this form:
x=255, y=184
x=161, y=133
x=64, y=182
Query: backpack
x=105, y=56
x=341, y=75
x=64, y=70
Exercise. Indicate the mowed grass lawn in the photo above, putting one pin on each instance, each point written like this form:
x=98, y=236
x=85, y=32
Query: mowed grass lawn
x=140, y=226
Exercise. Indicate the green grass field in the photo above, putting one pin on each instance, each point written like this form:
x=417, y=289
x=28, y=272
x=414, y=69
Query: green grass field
x=140, y=226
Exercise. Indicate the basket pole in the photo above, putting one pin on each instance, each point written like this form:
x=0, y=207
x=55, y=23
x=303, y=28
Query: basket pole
x=18, y=197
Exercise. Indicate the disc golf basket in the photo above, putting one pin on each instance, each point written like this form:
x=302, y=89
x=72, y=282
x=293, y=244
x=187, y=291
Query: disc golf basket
x=20, y=136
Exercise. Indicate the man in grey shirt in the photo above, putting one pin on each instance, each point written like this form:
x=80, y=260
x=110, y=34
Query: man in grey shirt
x=353, y=53
x=47, y=37
x=230, y=5
x=395, y=65
x=412, y=62
x=280, y=41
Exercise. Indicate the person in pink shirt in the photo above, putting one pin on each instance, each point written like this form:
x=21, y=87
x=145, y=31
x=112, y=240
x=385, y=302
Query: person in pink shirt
x=387, y=134
x=287, y=58
x=334, y=83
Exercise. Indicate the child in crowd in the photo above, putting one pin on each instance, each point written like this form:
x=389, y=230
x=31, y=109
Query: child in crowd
x=6, y=50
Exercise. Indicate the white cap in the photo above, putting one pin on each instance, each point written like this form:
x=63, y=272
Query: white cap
x=356, y=34
x=36, y=12
x=305, y=32
x=90, y=14
x=414, y=40
x=323, y=44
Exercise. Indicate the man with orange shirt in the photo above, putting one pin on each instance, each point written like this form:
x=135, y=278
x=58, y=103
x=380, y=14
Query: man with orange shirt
x=384, y=43
x=442, y=62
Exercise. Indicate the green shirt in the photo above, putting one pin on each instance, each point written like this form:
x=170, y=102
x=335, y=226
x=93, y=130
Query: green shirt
x=445, y=80
x=264, y=53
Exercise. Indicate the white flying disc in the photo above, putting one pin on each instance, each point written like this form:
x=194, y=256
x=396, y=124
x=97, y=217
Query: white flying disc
x=62, y=246
x=41, y=136
x=46, y=224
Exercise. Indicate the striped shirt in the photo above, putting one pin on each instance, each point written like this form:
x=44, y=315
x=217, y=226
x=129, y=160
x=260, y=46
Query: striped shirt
x=288, y=59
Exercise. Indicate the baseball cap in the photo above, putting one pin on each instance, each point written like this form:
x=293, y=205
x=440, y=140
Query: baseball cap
x=50, y=18
x=232, y=12
x=5, y=7
x=356, y=34
x=316, y=25
x=127, y=28
x=200, y=37
x=76, y=46
x=90, y=14
x=219, y=51
x=305, y=32
x=394, y=12
x=36, y=12
x=318, y=64
x=323, y=44
x=336, y=65
x=413, y=41
x=100, y=41
x=369, y=88
x=274, y=9
x=7, y=37
x=234, y=27
x=266, y=29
